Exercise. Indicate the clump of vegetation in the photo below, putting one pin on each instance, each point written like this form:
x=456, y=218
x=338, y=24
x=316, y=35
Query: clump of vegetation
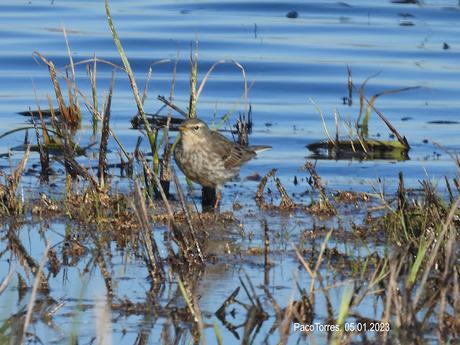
x=12, y=204
x=321, y=207
x=421, y=289
x=358, y=142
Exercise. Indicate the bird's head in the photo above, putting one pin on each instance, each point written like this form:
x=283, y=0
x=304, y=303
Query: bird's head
x=194, y=128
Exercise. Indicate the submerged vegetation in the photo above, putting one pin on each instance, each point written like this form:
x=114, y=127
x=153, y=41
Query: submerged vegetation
x=410, y=270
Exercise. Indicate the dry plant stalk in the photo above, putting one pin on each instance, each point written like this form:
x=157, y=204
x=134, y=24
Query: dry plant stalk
x=71, y=114
x=44, y=157
x=102, y=167
x=244, y=127
x=152, y=254
x=267, y=263
x=193, y=233
x=286, y=202
x=151, y=135
x=93, y=80
x=180, y=237
x=193, y=82
x=165, y=170
x=10, y=204
x=5, y=282
x=165, y=167
x=324, y=206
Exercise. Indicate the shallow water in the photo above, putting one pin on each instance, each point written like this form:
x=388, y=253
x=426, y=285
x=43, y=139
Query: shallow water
x=287, y=62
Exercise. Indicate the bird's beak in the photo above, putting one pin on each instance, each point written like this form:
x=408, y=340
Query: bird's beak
x=182, y=128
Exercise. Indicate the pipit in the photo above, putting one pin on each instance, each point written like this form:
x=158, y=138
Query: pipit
x=209, y=158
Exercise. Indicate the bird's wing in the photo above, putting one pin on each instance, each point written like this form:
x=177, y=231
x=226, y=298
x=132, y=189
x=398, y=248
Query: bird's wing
x=232, y=154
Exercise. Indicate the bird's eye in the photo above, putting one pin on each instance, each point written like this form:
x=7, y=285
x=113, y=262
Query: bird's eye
x=196, y=127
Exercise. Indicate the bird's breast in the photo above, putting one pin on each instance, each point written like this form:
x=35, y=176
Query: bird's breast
x=202, y=165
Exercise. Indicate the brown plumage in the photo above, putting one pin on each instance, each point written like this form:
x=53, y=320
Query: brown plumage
x=207, y=157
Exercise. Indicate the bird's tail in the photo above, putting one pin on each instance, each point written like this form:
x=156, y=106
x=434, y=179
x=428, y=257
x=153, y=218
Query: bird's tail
x=260, y=148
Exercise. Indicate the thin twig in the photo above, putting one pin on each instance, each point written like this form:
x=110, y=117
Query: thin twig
x=33, y=296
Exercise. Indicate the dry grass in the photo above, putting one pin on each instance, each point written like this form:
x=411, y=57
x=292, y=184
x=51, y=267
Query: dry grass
x=11, y=203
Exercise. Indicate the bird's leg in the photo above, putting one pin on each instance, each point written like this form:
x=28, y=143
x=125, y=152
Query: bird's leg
x=218, y=198
x=208, y=199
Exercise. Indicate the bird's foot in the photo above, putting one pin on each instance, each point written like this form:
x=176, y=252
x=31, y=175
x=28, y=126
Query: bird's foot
x=218, y=198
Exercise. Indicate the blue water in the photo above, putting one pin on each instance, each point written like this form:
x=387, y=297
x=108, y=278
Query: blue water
x=288, y=63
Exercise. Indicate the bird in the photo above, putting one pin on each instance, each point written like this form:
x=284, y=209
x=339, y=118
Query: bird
x=207, y=157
